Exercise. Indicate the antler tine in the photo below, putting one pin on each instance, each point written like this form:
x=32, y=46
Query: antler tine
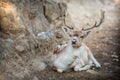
x=102, y=19
x=95, y=24
x=91, y=27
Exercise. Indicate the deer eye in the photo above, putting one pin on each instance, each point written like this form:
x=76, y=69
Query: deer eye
x=70, y=35
x=81, y=36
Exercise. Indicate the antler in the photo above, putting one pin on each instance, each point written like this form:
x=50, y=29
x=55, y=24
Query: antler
x=95, y=24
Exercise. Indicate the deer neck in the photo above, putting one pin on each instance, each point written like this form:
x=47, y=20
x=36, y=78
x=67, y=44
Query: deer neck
x=69, y=47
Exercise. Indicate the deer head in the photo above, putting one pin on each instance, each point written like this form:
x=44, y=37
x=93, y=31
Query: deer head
x=77, y=36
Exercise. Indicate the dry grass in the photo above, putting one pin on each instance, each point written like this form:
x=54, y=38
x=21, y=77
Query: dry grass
x=26, y=61
x=9, y=19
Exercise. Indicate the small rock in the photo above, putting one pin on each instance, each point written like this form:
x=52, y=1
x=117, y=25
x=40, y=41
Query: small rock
x=45, y=35
x=106, y=64
x=110, y=71
x=19, y=48
x=9, y=40
x=97, y=46
x=114, y=56
x=35, y=78
x=105, y=54
x=116, y=60
x=92, y=72
x=116, y=29
x=93, y=68
x=106, y=67
x=42, y=35
x=38, y=65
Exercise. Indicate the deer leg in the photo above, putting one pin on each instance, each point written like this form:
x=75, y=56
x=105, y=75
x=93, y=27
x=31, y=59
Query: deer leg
x=78, y=63
x=91, y=57
x=97, y=64
x=93, y=60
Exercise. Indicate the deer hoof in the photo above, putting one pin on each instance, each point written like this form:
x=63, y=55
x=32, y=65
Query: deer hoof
x=98, y=65
x=59, y=70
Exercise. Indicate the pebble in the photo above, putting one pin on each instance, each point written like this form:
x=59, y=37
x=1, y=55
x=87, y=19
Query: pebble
x=106, y=64
x=35, y=78
x=9, y=40
x=116, y=60
x=92, y=72
x=114, y=56
x=19, y=48
x=105, y=54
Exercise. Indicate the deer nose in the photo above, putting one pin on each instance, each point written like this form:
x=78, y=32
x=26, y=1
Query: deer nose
x=74, y=41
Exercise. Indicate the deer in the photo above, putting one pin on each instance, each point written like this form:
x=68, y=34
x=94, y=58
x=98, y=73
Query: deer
x=75, y=53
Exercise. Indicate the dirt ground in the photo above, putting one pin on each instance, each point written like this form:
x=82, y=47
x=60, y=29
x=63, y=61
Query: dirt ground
x=104, y=51
x=105, y=45
x=103, y=41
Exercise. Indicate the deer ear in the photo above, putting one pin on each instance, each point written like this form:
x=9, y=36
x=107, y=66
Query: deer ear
x=66, y=30
x=85, y=34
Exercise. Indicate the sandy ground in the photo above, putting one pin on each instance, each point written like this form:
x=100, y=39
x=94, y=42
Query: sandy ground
x=104, y=43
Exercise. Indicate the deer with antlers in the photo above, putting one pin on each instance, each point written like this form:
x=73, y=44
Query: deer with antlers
x=76, y=54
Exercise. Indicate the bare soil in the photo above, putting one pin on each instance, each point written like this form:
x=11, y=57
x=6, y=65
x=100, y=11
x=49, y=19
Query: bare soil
x=105, y=45
x=104, y=42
